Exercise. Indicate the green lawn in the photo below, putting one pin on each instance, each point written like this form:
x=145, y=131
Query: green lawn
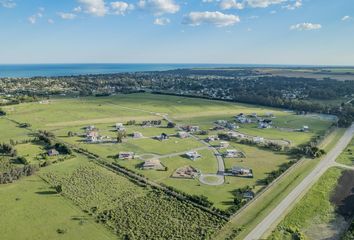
x=10, y=130
x=31, y=210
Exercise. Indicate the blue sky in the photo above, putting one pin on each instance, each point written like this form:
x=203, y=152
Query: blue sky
x=313, y=32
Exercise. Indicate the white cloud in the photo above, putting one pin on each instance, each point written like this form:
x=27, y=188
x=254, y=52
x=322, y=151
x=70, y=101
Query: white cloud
x=294, y=5
x=305, y=26
x=216, y=18
x=94, y=7
x=159, y=7
x=263, y=3
x=162, y=21
x=67, y=16
x=8, y=3
x=346, y=18
x=228, y=4
x=120, y=8
x=50, y=21
x=77, y=9
x=33, y=19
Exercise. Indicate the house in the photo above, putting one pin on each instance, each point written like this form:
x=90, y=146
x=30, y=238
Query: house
x=188, y=172
x=190, y=128
x=211, y=139
x=258, y=140
x=120, y=127
x=90, y=128
x=224, y=144
x=52, y=152
x=231, y=126
x=182, y=134
x=92, y=136
x=305, y=128
x=221, y=122
x=193, y=155
x=126, y=155
x=162, y=137
x=232, y=134
x=264, y=125
x=137, y=135
x=231, y=153
x=152, y=164
x=241, y=171
x=241, y=118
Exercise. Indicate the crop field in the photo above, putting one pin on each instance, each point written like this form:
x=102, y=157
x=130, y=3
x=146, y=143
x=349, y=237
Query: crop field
x=128, y=210
x=30, y=209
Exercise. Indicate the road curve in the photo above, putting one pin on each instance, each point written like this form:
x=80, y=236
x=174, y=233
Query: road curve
x=328, y=161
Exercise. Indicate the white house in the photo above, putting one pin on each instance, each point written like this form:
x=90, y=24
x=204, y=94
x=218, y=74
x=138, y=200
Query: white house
x=224, y=144
x=137, y=135
x=193, y=155
x=241, y=171
x=258, y=140
x=126, y=155
x=231, y=153
x=120, y=127
x=182, y=134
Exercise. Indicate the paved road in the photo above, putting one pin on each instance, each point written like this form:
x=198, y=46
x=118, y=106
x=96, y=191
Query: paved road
x=328, y=161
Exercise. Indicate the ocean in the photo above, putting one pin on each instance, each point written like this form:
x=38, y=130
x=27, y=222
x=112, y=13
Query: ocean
x=51, y=70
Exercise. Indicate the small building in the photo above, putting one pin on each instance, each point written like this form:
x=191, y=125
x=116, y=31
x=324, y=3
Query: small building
x=92, y=136
x=224, y=144
x=193, y=155
x=221, y=122
x=231, y=126
x=211, y=138
x=162, y=137
x=90, y=128
x=243, y=119
x=241, y=171
x=120, y=127
x=305, y=128
x=231, y=153
x=182, y=134
x=190, y=128
x=152, y=164
x=258, y=140
x=263, y=125
x=126, y=155
x=52, y=152
x=137, y=135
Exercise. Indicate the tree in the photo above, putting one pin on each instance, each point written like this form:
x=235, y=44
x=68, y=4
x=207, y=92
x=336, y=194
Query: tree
x=120, y=136
x=2, y=112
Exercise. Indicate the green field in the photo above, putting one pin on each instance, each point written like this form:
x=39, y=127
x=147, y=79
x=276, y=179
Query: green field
x=347, y=156
x=30, y=209
x=61, y=116
x=312, y=212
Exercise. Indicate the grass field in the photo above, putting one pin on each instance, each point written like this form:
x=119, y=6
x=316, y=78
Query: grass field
x=347, y=156
x=312, y=212
x=30, y=210
x=63, y=115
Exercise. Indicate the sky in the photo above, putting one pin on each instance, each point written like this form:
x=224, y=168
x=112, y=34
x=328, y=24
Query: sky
x=300, y=32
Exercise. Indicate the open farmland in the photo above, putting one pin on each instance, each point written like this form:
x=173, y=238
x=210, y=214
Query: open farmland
x=212, y=179
x=61, y=116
